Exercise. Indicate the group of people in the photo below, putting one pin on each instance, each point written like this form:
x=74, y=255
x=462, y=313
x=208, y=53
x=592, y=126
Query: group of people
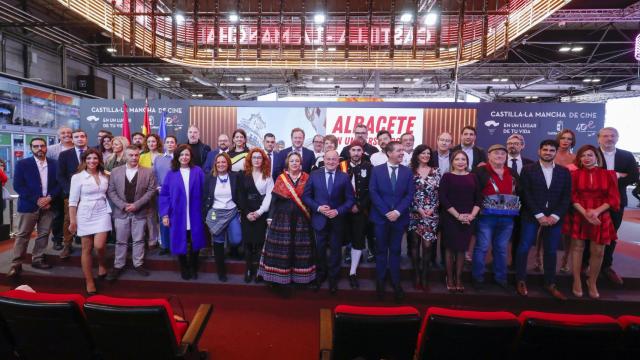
x=291, y=212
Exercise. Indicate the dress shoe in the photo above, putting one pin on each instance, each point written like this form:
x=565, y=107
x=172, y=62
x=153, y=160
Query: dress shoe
x=333, y=286
x=553, y=290
x=398, y=293
x=380, y=290
x=613, y=276
x=114, y=274
x=353, y=281
x=347, y=258
x=141, y=270
x=14, y=271
x=248, y=276
x=42, y=265
x=58, y=246
x=521, y=288
x=152, y=246
x=66, y=252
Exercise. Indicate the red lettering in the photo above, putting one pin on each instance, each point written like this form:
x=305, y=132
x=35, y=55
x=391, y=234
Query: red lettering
x=371, y=125
x=359, y=120
x=401, y=119
x=391, y=124
x=382, y=119
x=410, y=123
x=347, y=129
x=337, y=128
x=340, y=140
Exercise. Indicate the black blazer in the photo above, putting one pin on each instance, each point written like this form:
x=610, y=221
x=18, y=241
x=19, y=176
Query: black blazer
x=479, y=155
x=210, y=182
x=308, y=160
x=67, y=166
x=536, y=198
x=525, y=162
x=624, y=162
x=434, y=161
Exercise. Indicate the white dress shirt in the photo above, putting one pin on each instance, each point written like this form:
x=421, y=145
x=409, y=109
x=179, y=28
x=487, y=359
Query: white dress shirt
x=378, y=158
x=44, y=174
x=131, y=172
x=264, y=187
x=406, y=159
x=222, y=197
x=469, y=151
x=547, y=171
x=609, y=159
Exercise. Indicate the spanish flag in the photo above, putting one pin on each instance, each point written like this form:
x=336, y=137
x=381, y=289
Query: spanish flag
x=146, y=125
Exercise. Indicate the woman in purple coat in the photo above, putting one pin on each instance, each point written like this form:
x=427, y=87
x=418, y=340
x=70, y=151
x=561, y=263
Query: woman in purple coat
x=181, y=210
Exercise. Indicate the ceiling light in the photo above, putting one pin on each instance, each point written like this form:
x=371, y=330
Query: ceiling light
x=407, y=79
x=495, y=80
x=431, y=19
x=166, y=78
x=330, y=79
x=319, y=18
x=247, y=79
x=331, y=49
x=196, y=95
x=239, y=79
x=406, y=17
x=416, y=79
x=565, y=49
x=233, y=18
x=577, y=49
x=595, y=80
x=111, y=50
x=504, y=80
x=179, y=19
x=453, y=49
x=319, y=49
x=322, y=79
x=534, y=97
x=159, y=78
x=586, y=80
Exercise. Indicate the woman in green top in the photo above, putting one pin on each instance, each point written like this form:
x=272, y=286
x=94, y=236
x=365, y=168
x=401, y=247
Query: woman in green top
x=118, y=144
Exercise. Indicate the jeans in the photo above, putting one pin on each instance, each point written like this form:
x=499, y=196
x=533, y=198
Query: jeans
x=551, y=236
x=494, y=230
x=233, y=233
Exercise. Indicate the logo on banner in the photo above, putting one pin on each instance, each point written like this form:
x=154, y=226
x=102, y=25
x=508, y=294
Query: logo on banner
x=492, y=126
x=93, y=121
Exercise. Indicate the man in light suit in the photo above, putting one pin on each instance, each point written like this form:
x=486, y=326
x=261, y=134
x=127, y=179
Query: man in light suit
x=329, y=196
x=546, y=197
x=308, y=158
x=131, y=188
x=624, y=164
x=35, y=182
x=391, y=190
x=68, y=162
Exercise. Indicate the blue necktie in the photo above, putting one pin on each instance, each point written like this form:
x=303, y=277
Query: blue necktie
x=80, y=151
x=394, y=178
x=330, y=184
x=514, y=165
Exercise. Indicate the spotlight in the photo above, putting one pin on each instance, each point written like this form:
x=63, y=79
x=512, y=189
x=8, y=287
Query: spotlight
x=586, y=80
x=504, y=80
x=247, y=79
x=407, y=79
x=322, y=79
x=111, y=50
x=577, y=49
x=431, y=19
x=239, y=79
x=406, y=17
x=564, y=49
x=233, y=18
x=495, y=80
x=330, y=79
x=166, y=78
x=319, y=18
x=595, y=80
x=179, y=19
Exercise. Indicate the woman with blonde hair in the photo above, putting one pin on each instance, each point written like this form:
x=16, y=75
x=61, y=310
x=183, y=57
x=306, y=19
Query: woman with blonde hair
x=118, y=144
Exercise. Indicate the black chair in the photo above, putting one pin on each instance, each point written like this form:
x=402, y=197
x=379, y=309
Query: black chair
x=143, y=329
x=369, y=332
x=565, y=336
x=630, y=337
x=460, y=334
x=46, y=326
x=7, y=350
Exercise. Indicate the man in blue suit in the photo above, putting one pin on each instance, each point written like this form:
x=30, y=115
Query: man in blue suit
x=35, y=182
x=223, y=146
x=308, y=157
x=329, y=195
x=546, y=197
x=391, y=190
x=68, y=162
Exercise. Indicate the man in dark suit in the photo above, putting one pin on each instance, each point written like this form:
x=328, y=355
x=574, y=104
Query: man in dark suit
x=68, y=162
x=515, y=161
x=308, y=158
x=269, y=144
x=441, y=161
x=329, y=196
x=546, y=197
x=360, y=132
x=624, y=164
x=199, y=149
x=35, y=182
x=391, y=190
x=223, y=145
x=477, y=155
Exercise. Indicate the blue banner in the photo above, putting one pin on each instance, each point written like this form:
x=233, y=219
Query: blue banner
x=536, y=122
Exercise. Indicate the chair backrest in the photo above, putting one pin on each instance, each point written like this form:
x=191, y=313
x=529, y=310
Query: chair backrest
x=630, y=337
x=461, y=334
x=46, y=326
x=375, y=332
x=567, y=336
x=6, y=342
x=133, y=328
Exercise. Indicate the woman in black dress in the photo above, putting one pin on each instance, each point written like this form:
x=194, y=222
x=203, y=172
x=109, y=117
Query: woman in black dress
x=460, y=197
x=254, y=202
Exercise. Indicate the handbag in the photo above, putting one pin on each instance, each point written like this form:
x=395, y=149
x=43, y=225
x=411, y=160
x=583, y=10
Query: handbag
x=501, y=204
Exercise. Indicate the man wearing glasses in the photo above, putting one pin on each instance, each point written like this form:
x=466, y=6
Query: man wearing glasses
x=360, y=132
x=35, y=182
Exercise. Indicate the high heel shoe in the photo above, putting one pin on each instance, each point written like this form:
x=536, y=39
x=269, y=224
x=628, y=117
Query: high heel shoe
x=576, y=293
x=450, y=288
x=87, y=292
x=459, y=287
x=593, y=292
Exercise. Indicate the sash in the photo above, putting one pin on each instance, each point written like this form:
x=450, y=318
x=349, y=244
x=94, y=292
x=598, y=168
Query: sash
x=294, y=195
x=238, y=157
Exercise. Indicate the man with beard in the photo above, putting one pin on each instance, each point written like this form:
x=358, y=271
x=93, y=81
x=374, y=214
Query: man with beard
x=379, y=158
x=361, y=132
x=477, y=155
x=200, y=150
x=223, y=146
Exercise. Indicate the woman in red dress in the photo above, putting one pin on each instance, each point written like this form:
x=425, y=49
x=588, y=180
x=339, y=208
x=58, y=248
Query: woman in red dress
x=593, y=193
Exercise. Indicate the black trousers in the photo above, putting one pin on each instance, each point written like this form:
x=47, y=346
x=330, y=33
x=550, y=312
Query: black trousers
x=356, y=229
x=58, y=219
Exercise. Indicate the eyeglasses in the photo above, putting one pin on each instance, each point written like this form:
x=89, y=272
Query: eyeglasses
x=513, y=143
x=318, y=142
x=39, y=146
x=256, y=157
x=362, y=133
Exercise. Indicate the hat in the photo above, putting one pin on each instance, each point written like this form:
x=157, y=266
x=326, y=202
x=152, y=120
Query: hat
x=357, y=142
x=497, y=147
